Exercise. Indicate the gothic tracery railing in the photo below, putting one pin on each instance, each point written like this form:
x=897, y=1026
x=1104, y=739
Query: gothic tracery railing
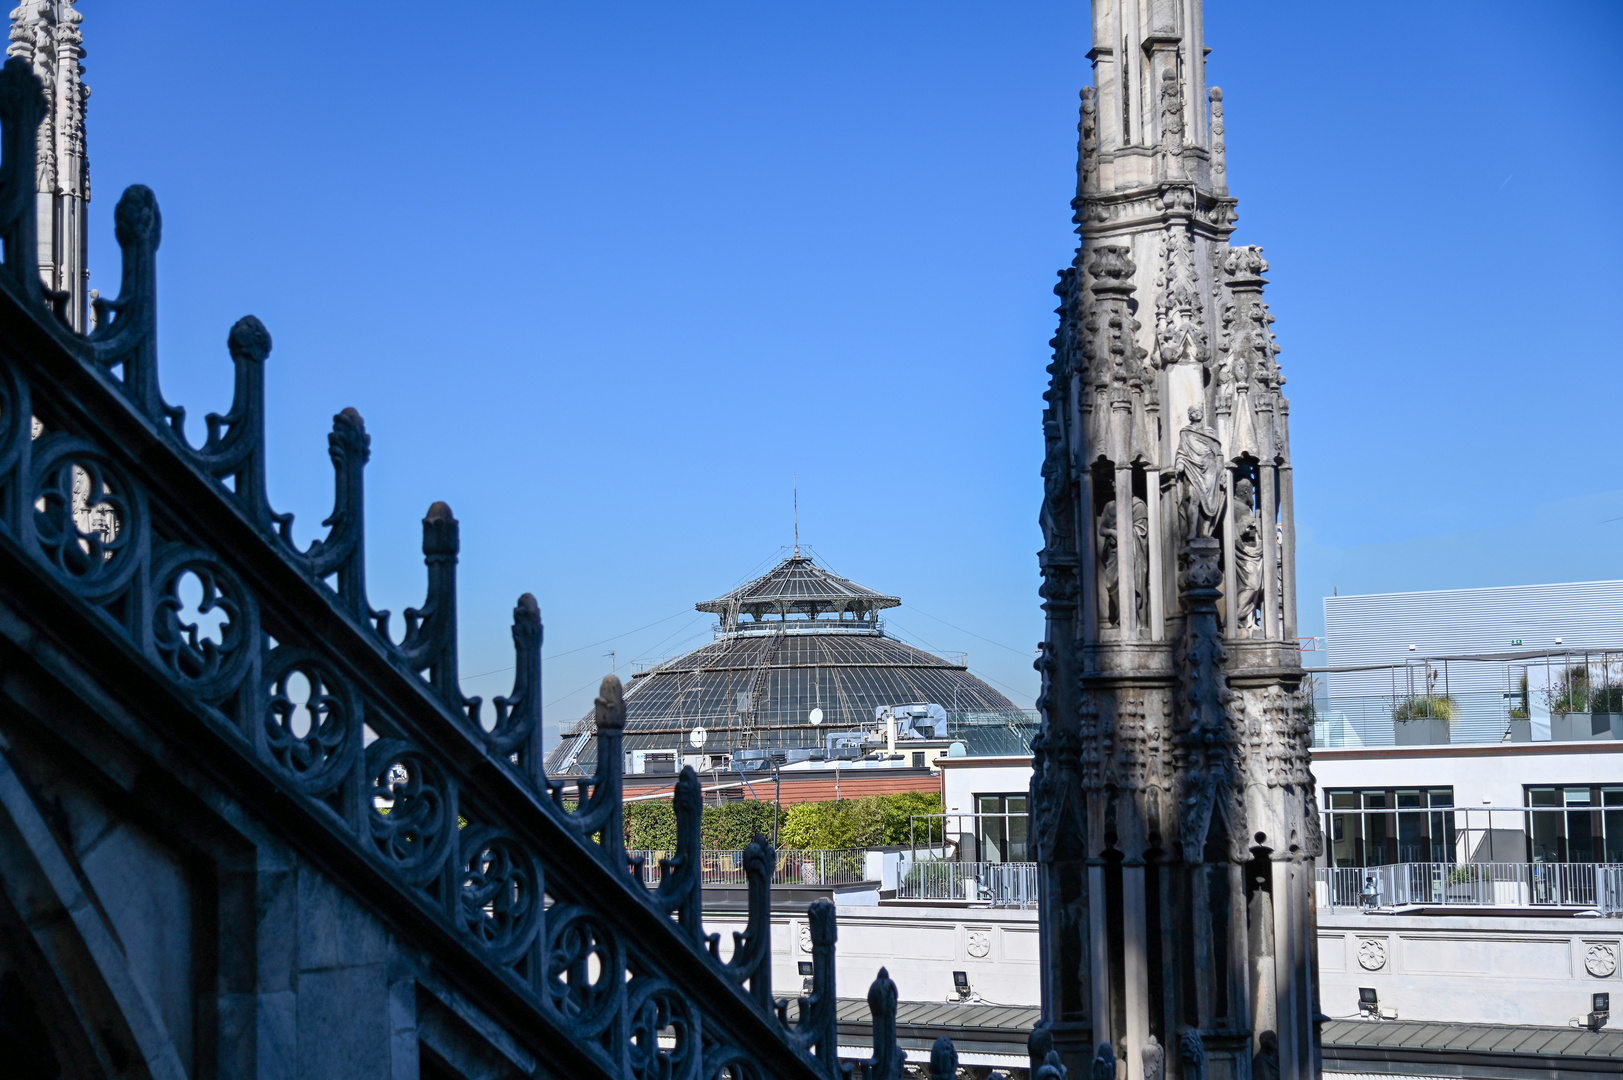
x=174, y=555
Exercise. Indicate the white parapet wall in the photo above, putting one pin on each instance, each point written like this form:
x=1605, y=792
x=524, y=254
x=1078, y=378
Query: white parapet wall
x=920, y=946
x=1451, y=968
x=1469, y=969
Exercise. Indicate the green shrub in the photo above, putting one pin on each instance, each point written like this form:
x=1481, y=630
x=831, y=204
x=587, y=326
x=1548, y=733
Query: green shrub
x=650, y=824
x=734, y=825
x=1421, y=706
x=872, y=821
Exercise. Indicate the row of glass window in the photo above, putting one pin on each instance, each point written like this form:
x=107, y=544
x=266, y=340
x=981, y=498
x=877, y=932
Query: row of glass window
x=1570, y=823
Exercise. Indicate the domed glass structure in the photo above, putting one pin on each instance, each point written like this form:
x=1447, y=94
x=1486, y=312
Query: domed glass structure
x=799, y=652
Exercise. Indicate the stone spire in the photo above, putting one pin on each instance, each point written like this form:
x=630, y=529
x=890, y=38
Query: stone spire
x=1173, y=808
x=46, y=34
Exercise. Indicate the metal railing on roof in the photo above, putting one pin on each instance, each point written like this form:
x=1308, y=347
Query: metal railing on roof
x=1597, y=886
x=1001, y=884
x=726, y=866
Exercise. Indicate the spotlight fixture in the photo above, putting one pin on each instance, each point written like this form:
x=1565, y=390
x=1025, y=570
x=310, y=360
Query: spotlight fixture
x=1600, y=1011
x=960, y=983
x=805, y=967
x=1369, y=1004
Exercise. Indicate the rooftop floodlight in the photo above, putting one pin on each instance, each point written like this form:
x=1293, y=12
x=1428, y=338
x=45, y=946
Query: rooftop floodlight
x=1369, y=1002
x=960, y=983
x=805, y=967
x=1601, y=1011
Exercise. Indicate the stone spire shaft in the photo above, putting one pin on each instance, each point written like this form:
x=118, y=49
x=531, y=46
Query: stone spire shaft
x=46, y=34
x=1173, y=807
x=1137, y=44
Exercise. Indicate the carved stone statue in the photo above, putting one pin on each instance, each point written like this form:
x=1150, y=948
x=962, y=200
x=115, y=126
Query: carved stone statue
x=1110, y=563
x=1155, y=1059
x=1247, y=556
x=1200, y=476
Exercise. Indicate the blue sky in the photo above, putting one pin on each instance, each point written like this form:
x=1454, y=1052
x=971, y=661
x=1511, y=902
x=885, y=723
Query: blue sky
x=607, y=277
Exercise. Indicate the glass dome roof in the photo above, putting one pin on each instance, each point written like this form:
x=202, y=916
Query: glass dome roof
x=794, y=640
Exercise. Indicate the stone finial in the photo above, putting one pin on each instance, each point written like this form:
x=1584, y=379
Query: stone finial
x=1220, y=179
x=248, y=340
x=820, y=918
x=441, y=532
x=610, y=706
x=943, y=1060
x=136, y=219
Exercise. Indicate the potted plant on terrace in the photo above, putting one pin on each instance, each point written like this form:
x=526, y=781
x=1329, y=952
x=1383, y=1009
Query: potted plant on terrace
x=1423, y=719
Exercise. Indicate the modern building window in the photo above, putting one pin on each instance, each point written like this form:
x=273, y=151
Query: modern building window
x=1000, y=828
x=1578, y=823
x=1381, y=826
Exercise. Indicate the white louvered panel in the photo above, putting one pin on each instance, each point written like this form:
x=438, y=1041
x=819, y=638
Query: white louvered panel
x=1379, y=629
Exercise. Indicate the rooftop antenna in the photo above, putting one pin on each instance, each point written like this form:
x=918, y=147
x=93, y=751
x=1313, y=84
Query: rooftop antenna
x=797, y=514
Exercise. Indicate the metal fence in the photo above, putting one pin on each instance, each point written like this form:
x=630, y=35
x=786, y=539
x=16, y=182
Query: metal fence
x=724, y=866
x=1000, y=884
x=1492, y=884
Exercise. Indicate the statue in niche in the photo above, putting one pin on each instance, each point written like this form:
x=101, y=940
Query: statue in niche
x=1110, y=563
x=1247, y=555
x=1200, y=476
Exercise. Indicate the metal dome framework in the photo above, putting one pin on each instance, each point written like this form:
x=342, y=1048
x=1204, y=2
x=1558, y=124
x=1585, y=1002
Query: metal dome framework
x=811, y=640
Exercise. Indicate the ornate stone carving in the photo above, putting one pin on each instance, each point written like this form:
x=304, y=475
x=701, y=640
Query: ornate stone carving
x=978, y=943
x=1171, y=123
x=1372, y=953
x=46, y=35
x=1192, y=1054
x=1104, y=1063
x=1179, y=310
x=1087, y=145
x=1154, y=1059
x=1600, y=959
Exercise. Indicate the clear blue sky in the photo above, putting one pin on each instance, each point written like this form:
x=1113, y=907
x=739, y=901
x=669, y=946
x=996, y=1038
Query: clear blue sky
x=607, y=276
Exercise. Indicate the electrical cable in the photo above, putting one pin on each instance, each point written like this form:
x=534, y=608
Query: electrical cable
x=583, y=648
x=1032, y=653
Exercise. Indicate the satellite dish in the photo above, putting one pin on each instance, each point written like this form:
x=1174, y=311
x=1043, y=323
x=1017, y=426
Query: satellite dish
x=696, y=737
x=816, y=717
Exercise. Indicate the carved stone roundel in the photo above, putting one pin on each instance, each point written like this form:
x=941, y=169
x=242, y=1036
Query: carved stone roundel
x=805, y=937
x=1600, y=960
x=978, y=943
x=1371, y=954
